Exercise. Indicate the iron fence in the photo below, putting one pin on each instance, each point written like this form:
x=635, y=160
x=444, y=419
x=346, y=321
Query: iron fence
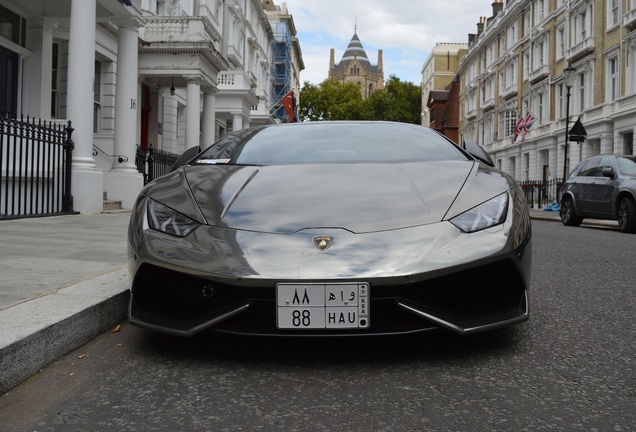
x=35, y=168
x=154, y=163
x=540, y=193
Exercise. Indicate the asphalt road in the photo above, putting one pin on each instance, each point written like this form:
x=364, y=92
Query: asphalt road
x=570, y=368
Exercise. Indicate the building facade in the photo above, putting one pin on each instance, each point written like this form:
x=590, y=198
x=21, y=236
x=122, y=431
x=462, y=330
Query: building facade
x=287, y=59
x=129, y=74
x=354, y=66
x=438, y=71
x=513, y=73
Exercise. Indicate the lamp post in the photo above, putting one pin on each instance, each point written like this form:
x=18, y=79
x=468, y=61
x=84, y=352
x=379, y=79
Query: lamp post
x=569, y=74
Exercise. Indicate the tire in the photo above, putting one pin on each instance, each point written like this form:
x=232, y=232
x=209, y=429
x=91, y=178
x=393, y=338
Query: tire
x=567, y=213
x=627, y=215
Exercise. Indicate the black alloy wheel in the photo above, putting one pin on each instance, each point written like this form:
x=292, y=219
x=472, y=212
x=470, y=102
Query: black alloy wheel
x=568, y=216
x=627, y=215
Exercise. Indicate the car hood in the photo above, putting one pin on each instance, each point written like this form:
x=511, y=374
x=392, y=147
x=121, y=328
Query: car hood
x=356, y=197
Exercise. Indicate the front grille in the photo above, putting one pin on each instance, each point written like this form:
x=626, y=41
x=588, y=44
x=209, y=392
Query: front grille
x=467, y=294
x=482, y=295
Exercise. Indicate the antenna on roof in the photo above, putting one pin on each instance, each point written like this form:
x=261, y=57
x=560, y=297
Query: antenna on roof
x=355, y=27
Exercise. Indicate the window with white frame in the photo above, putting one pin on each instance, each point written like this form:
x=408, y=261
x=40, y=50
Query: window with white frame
x=561, y=93
x=507, y=123
x=526, y=65
x=527, y=23
x=511, y=73
x=487, y=130
x=512, y=35
x=582, y=80
x=560, y=41
x=630, y=70
x=539, y=54
x=540, y=11
x=540, y=108
x=612, y=13
x=612, y=77
x=582, y=24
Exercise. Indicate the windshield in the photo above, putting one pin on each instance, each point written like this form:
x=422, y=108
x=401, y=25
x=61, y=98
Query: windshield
x=331, y=142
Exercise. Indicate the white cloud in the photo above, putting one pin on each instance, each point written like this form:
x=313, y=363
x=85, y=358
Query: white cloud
x=405, y=31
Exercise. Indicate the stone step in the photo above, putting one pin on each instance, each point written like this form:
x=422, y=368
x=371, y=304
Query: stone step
x=111, y=205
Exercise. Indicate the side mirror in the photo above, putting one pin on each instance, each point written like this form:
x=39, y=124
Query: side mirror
x=478, y=152
x=185, y=157
x=608, y=172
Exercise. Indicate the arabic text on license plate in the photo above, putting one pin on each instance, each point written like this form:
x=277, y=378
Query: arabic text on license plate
x=322, y=306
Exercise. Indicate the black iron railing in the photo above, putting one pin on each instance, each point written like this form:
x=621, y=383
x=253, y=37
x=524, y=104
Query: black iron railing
x=540, y=193
x=154, y=163
x=35, y=168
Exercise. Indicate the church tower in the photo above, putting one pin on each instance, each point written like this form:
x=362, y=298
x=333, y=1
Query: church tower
x=354, y=66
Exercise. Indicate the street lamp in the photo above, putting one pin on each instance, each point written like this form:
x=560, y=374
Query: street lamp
x=569, y=74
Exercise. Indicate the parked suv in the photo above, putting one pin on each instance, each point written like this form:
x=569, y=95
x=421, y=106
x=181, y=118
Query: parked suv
x=601, y=187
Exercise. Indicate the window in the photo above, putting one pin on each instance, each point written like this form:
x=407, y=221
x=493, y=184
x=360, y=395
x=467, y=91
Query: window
x=526, y=65
x=540, y=6
x=612, y=13
x=560, y=42
x=561, y=95
x=582, y=94
x=630, y=71
x=507, y=123
x=540, y=109
x=612, y=79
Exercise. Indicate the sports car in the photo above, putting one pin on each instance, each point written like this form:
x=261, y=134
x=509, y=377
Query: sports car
x=331, y=229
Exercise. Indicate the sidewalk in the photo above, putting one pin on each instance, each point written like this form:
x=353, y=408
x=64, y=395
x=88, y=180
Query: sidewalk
x=63, y=281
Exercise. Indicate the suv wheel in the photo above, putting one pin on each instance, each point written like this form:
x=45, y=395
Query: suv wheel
x=568, y=217
x=627, y=215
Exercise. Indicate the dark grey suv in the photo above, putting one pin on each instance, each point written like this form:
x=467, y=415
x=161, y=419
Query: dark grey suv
x=601, y=187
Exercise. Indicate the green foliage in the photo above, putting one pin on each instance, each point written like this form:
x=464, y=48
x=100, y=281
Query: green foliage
x=332, y=100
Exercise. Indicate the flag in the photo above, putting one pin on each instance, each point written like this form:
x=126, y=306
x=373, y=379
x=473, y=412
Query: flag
x=527, y=124
x=289, y=103
x=519, y=128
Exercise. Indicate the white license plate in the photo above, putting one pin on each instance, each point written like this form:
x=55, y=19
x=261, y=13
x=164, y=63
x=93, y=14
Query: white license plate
x=322, y=306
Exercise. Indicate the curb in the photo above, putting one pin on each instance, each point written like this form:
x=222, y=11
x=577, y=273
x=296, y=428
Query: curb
x=39, y=331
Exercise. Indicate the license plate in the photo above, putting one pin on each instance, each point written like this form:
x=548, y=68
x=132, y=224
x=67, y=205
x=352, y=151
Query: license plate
x=322, y=306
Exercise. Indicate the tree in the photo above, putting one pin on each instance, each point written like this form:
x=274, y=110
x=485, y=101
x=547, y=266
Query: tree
x=398, y=101
x=332, y=100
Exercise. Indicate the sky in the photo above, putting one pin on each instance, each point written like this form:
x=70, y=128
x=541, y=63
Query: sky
x=405, y=31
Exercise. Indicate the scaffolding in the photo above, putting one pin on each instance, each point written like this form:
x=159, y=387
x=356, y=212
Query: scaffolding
x=281, y=70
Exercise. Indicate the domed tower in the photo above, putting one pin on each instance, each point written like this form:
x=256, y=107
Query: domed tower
x=354, y=66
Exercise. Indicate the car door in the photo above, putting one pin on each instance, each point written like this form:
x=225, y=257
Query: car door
x=601, y=189
x=581, y=190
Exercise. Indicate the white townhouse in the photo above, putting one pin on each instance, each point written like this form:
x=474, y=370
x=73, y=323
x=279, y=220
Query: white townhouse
x=129, y=74
x=515, y=67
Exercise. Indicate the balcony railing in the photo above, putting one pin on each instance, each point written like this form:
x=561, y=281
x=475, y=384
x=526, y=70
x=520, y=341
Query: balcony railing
x=508, y=92
x=629, y=20
x=234, y=80
x=539, y=73
x=178, y=29
x=581, y=48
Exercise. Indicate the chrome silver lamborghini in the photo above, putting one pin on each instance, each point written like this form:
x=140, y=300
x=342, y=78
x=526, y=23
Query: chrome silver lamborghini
x=331, y=229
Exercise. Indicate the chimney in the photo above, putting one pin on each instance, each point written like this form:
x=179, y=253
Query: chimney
x=497, y=7
x=332, y=58
x=480, y=26
x=471, y=38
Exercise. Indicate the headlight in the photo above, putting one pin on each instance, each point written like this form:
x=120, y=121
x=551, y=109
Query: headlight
x=486, y=215
x=168, y=221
